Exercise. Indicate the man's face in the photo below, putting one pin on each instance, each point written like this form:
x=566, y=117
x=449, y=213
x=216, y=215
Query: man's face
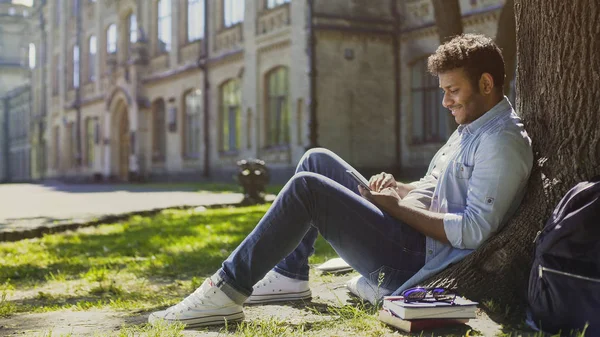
x=460, y=96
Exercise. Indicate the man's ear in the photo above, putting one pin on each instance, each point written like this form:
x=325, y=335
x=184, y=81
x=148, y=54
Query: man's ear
x=486, y=83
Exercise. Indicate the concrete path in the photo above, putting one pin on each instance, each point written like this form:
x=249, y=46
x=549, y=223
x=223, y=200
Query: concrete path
x=24, y=207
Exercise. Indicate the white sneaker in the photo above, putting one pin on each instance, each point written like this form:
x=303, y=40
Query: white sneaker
x=275, y=287
x=208, y=305
x=361, y=287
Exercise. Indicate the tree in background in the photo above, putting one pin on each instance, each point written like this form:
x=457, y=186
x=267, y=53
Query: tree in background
x=558, y=86
x=448, y=20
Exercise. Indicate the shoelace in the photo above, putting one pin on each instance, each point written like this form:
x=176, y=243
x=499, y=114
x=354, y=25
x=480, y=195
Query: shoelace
x=192, y=301
x=269, y=277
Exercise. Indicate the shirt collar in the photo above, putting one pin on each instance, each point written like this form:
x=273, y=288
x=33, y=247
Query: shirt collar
x=502, y=106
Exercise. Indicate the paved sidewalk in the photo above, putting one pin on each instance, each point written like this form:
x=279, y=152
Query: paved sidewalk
x=29, y=210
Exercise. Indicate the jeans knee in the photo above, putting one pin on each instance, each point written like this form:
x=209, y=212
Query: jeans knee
x=316, y=154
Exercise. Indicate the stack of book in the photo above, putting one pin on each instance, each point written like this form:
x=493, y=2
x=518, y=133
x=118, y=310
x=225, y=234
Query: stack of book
x=417, y=316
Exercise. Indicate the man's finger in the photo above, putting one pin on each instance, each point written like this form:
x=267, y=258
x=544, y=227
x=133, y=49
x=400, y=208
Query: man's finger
x=364, y=192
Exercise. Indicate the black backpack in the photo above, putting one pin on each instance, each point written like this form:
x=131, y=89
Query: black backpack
x=564, y=284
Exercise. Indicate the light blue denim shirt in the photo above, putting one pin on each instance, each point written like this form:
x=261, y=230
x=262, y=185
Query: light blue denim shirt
x=477, y=180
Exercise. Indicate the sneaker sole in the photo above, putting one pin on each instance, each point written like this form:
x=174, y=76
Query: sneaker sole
x=268, y=298
x=212, y=320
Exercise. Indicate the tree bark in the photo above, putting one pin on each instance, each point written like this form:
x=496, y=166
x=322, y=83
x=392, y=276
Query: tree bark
x=506, y=40
x=558, y=82
x=448, y=18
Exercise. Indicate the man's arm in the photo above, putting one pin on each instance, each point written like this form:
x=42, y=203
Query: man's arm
x=429, y=223
x=402, y=189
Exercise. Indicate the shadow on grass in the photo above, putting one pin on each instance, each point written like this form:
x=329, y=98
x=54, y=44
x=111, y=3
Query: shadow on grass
x=170, y=246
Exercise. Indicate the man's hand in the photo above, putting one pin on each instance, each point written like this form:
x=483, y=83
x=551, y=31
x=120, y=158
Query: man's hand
x=387, y=199
x=382, y=180
x=429, y=223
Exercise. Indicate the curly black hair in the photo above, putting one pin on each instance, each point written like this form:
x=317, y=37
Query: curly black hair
x=475, y=53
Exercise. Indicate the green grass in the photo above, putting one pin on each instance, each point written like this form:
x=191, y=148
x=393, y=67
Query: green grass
x=147, y=263
x=139, y=264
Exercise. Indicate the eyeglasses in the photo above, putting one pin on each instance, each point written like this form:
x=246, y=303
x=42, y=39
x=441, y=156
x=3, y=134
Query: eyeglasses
x=418, y=294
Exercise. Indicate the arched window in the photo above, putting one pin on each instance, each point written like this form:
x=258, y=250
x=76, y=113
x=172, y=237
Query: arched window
x=76, y=66
x=195, y=20
x=429, y=117
x=233, y=12
x=111, y=39
x=231, y=97
x=278, y=110
x=92, y=50
x=191, y=130
x=31, y=56
x=164, y=25
x=159, y=141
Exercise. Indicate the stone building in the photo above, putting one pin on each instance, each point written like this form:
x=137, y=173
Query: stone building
x=15, y=95
x=171, y=89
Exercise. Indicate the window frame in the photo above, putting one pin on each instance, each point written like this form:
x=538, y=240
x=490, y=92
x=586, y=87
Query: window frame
x=91, y=76
x=270, y=4
x=431, y=121
x=111, y=42
x=229, y=135
x=229, y=18
x=160, y=24
x=76, y=78
x=195, y=7
x=191, y=131
x=159, y=131
x=277, y=103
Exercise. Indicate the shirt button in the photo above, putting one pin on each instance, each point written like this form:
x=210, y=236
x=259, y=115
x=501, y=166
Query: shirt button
x=430, y=251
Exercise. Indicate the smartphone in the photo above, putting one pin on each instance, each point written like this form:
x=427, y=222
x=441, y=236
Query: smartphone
x=362, y=181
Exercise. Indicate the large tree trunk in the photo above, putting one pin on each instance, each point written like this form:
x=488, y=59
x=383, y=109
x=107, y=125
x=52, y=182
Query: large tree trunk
x=506, y=39
x=558, y=82
x=447, y=18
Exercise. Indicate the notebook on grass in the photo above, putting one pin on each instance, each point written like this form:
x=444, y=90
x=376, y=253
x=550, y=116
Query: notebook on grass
x=417, y=324
x=461, y=308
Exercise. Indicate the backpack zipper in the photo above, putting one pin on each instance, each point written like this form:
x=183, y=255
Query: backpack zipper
x=542, y=269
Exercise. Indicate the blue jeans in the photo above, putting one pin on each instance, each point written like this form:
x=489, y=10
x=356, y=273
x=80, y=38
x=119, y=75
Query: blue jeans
x=323, y=198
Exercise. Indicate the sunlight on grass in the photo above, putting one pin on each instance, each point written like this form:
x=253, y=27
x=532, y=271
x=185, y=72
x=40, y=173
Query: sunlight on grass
x=143, y=263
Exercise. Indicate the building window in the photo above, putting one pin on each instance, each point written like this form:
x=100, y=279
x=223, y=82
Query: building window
x=158, y=131
x=231, y=96
x=111, y=39
x=92, y=58
x=429, y=117
x=76, y=66
x=133, y=30
x=195, y=20
x=31, y=56
x=233, y=12
x=278, y=111
x=90, y=127
x=275, y=3
x=191, y=130
x=164, y=25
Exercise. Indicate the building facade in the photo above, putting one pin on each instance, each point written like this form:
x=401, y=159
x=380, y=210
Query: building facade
x=165, y=89
x=17, y=52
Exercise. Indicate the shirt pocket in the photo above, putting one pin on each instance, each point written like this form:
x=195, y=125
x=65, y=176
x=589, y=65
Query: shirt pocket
x=461, y=170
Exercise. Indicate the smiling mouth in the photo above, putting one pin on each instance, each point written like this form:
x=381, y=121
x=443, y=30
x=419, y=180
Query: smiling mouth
x=454, y=109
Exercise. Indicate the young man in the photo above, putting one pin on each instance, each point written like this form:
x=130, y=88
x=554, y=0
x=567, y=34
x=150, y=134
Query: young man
x=401, y=232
